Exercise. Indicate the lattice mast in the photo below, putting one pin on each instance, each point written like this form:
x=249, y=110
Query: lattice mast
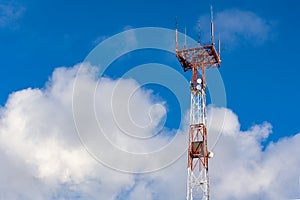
x=197, y=60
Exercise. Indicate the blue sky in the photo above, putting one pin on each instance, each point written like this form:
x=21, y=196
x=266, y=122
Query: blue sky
x=260, y=70
x=261, y=79
x=259, y=66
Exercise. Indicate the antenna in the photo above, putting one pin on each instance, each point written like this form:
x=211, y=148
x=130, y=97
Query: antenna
x=184, y=37
x=219, y=47
x=197, y=60
x=176, y=33
x=212, y=25
x=199, y=32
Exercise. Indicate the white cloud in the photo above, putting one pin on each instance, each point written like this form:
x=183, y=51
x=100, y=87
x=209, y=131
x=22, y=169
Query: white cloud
x=130, y=39
x=99, y=39
x=241, y=168
x=238, y=27
x=9, y=13
x=41, y=156
x=37, y=131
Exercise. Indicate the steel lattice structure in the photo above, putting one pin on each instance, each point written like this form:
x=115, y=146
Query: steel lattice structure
x=197, y=60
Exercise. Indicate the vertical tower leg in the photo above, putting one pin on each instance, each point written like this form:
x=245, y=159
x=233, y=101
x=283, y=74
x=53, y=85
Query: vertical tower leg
x=198, y=59
x=198, y=180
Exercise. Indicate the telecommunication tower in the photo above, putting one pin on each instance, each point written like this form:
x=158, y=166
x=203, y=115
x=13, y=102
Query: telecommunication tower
x=197, y=60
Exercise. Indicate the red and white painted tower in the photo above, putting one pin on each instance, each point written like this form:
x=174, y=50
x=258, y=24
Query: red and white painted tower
x=198, y=59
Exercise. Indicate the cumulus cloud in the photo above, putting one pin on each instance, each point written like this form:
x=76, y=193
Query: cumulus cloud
x=243, y=169
x=41, y=150
x=42, y=156
x=238, y=27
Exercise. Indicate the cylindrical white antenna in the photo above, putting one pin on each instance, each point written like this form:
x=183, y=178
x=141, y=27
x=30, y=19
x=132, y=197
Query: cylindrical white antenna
x=184, y=37
x=176, y=35
x=199, y=32
x=219, y=47
x=212, y=25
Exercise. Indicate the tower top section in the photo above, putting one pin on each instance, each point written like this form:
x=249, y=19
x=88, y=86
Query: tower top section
x=202, y=56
